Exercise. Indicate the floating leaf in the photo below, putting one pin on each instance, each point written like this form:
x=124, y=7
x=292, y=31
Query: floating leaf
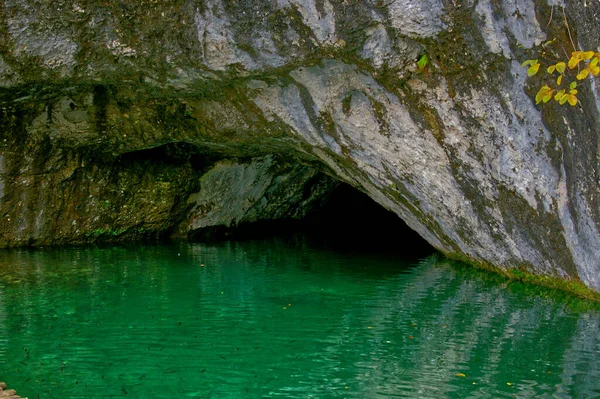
x=509, y=384
x=573, y=91
x=561, y=66
x=559, y=95
x=551, y=69
x=460, y=375
x=594, y=62
x=559, y=80
x=573, y=85
x=572, y=100
x=594, y=70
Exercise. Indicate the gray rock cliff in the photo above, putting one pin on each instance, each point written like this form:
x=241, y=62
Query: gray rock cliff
x=124, y=118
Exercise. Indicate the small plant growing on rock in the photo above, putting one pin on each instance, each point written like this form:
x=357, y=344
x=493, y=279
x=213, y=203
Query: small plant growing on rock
x=586, y=62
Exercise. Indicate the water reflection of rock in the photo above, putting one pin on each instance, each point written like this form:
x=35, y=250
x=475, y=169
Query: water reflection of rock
x=416, y=326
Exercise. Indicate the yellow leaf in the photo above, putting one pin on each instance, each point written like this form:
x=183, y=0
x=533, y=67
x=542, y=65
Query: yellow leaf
x=538, y=97
x=572, y=100
x=559, y=95
x=551, y=69
x=542, y=92
x=594, y=70
x=583, y=74
x=529, y=62
x=560, y=67
x=587, y=55
x=547, y=96
x=573, y=85
x=559, y=80
x=595, y=61
x=574, y=61
x=573, y=91
x=563, y=99
x=460, y=375
x=533, y=69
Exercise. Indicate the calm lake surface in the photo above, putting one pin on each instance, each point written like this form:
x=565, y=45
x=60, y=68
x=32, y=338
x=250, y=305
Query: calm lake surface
x=283, y=318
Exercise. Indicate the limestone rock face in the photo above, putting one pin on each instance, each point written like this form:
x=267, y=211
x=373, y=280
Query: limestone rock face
x=126, y=118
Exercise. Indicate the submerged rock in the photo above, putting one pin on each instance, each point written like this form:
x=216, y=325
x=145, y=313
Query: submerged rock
x=122, y=120
x=8, y=393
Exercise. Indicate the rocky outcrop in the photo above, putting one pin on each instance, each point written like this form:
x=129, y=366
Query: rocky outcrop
x=125, y=118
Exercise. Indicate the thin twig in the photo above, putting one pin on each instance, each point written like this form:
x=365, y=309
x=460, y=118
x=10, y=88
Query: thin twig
x=563, y=49
x=569, y=30
x=551, y=15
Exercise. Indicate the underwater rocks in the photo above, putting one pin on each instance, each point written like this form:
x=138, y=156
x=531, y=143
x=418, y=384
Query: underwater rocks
x=8, y=393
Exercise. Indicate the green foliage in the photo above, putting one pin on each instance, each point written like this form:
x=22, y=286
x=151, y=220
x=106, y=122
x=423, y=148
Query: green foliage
x=423, y=63
x=98, y=233
x=586, y=63
x=572, y=286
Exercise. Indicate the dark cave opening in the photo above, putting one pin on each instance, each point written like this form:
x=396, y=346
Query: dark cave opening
x=342, y=218
x=351, y=220
x=346, y=220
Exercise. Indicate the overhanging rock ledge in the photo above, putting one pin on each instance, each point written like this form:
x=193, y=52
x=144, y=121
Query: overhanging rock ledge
x=115, y=117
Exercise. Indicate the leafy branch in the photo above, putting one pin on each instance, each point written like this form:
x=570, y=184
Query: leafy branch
x=586, y=63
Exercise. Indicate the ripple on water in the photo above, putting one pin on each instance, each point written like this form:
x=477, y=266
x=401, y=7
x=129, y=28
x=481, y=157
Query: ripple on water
x=270, y=319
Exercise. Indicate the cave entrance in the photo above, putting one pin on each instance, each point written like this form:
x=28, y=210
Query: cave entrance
x=345, y=219
x=348, y=219
x=270, y=196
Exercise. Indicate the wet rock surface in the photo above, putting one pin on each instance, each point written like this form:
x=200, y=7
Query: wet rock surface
x=121, y=120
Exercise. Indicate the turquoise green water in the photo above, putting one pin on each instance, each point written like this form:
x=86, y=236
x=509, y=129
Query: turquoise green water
x=283, y=319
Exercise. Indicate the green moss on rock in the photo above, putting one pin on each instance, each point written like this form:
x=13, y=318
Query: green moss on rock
x=572, y=286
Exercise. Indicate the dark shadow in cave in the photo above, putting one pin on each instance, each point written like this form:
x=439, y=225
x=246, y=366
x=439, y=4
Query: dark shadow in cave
x=347, y=220
x=173, y=154
x=350, y=220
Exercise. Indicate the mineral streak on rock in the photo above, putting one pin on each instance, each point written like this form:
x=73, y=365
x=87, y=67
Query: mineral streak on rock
x=121, y=120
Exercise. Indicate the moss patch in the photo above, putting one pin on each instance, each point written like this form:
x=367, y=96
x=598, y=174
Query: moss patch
x=571, y=286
